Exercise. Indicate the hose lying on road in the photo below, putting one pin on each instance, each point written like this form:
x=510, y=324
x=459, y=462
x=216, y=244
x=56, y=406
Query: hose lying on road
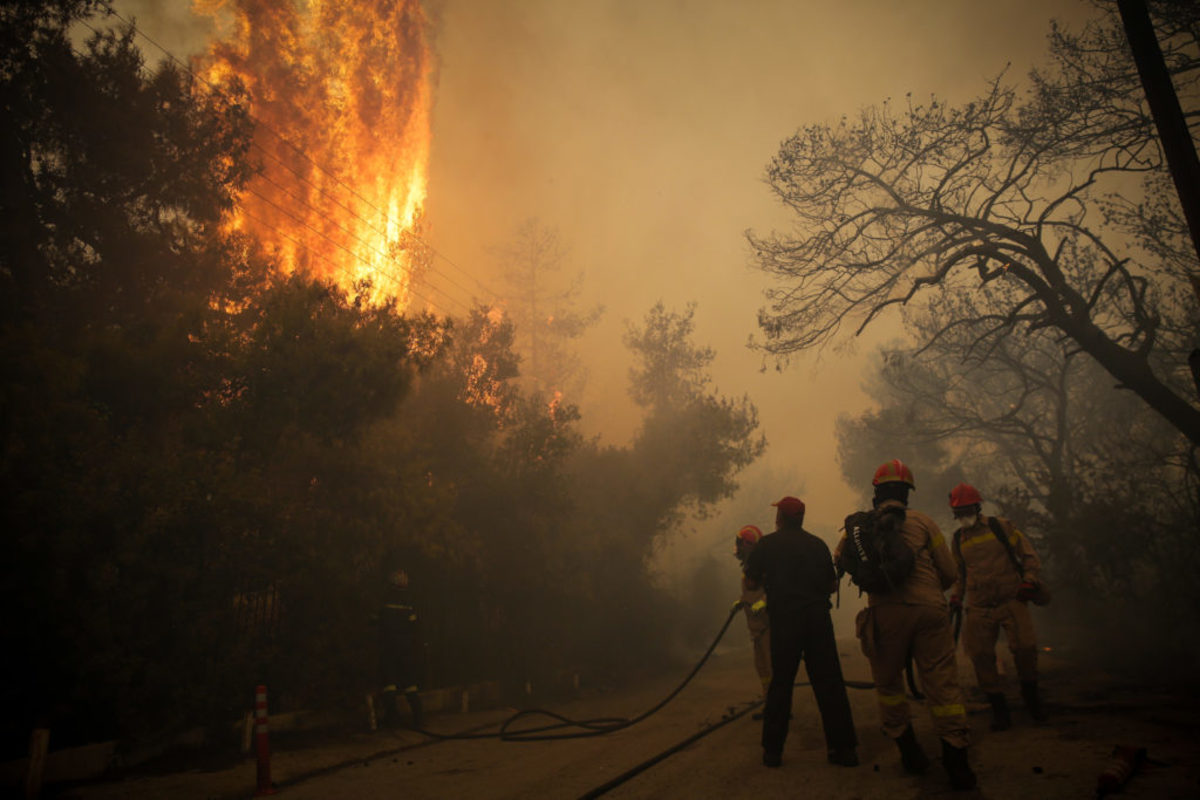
x=591, y=727
x=598, y=726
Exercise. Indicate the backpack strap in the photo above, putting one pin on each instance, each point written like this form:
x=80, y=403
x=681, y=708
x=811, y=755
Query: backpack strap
x=1002, y=537
x=956, y=551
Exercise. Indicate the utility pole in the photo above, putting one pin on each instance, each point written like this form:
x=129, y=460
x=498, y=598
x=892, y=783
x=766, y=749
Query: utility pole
x=1164, y=106
x=1172, y=127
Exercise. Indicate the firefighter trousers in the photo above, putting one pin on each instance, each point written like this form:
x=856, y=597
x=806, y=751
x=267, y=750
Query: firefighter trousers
x=760, y=637
x=890, y=635
x=807, y=633
x=981, y=630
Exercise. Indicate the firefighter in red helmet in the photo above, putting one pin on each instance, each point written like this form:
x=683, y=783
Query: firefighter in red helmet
x=906, y=618
x=998, y=574
x=754, y=603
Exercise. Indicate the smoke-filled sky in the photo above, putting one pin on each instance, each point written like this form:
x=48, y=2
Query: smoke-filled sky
x=640, y=129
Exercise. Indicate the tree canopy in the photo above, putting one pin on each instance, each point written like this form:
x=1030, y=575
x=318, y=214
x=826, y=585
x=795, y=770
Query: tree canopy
x=208, y=467
x=1048, y=207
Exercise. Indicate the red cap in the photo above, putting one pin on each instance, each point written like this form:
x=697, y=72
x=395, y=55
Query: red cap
x=790, y=506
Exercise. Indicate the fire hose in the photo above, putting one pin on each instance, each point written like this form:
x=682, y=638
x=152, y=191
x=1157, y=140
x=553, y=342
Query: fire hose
x=601, y=726
x=598, y=726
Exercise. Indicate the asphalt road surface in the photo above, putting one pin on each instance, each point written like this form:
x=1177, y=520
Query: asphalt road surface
x=1091, y=713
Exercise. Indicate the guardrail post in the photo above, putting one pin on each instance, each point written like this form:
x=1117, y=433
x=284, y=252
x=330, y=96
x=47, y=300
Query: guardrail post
x=263, y=745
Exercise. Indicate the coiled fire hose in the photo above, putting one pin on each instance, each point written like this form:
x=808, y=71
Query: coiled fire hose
x=599, y=726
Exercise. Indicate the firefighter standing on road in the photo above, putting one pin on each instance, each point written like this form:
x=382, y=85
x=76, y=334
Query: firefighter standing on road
x=996, y=581
x=796, y=570
x=754, y=603
x=399, y=649
x=911, y=621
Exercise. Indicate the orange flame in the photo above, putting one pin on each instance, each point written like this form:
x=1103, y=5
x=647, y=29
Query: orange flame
x=341, y=93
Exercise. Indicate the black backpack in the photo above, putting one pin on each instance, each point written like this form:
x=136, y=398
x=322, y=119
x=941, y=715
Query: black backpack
x=875, y=554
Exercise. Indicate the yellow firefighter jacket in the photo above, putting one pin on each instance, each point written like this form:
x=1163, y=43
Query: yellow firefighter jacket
x=991, y=577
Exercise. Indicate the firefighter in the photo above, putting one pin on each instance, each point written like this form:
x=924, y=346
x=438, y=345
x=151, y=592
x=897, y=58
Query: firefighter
x=796, y=571
x=996, y=580
x=754, y=604
x=912, y=621
x=399, y=648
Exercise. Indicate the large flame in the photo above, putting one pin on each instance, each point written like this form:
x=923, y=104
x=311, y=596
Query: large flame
x=341, y=92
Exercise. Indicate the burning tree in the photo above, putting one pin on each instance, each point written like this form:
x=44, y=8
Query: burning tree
x=342, y=94
x=1049, y=209
x=210, y=459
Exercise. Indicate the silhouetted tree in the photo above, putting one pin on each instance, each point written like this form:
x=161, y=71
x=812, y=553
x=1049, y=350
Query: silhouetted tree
x=1048, y=207
x=544, y=309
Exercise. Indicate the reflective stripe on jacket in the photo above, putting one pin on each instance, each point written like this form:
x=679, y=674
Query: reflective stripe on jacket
x=992, y=578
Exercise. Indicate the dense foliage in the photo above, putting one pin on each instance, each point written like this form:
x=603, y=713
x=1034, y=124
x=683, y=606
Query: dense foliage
x=207, y=468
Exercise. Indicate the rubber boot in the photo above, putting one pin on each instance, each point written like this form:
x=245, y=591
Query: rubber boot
x=1001, y=721
x=388, y=716
x=1033, y=703
x=911, y=755
x=772, y=758
x=843, y=756
x=954, y=759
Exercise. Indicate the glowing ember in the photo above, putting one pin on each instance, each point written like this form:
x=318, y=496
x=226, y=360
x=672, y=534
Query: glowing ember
x=341, y=93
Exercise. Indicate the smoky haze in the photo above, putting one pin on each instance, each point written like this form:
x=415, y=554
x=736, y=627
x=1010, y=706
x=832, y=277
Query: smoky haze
x=640, y=133
x=225, y=466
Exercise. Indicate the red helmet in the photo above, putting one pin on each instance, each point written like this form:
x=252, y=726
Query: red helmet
x=750, y=534
x=894, y=471
x=964, y=495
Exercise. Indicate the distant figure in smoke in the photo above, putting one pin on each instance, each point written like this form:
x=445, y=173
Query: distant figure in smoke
x=997, y=576
x=399, y=648
x=754, y=603
x=796, y=570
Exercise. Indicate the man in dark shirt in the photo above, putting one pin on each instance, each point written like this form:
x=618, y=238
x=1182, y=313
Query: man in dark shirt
x=796, y=569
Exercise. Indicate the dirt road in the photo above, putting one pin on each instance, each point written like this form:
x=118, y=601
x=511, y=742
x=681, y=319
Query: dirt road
x=1091, y=714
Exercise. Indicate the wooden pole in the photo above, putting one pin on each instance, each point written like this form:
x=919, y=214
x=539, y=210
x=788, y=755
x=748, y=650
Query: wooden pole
x=1164, y=106
x=39, y=743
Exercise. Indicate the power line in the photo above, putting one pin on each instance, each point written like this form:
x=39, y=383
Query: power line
x=341, y=269
x=357, y=239
x=217, y=91
x=305, y=179
x=339, y=245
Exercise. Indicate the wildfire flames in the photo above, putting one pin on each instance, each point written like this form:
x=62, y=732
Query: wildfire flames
x=341, y=92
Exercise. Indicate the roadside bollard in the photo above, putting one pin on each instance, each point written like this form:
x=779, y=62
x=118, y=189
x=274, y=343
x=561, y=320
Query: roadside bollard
x=263, y=745
x=39, y=743
x=372, y=720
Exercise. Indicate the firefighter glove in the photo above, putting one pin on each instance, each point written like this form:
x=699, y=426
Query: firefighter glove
x=1027, y=591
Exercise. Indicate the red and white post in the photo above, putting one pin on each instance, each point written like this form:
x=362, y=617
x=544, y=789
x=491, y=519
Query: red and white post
x=263, y=746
